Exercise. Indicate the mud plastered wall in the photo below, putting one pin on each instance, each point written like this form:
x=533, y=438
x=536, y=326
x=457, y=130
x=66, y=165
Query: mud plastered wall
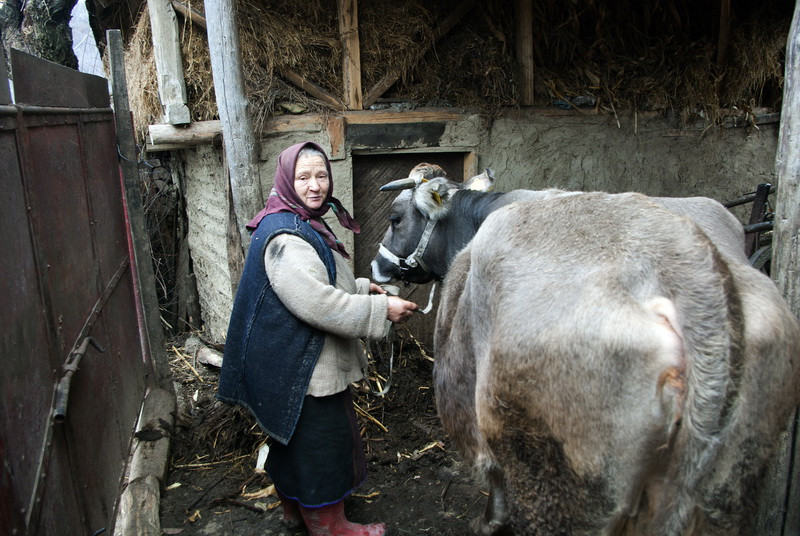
x=207, y=214
x=528, y=149
x=642, y=154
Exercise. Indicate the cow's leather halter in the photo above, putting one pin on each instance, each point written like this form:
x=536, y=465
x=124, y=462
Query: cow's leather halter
x=415, y=259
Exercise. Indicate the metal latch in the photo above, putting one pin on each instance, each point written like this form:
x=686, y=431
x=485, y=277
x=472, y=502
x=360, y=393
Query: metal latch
x=69, y=368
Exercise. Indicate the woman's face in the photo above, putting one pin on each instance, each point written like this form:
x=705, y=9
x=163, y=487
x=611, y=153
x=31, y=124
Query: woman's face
x=311, y=181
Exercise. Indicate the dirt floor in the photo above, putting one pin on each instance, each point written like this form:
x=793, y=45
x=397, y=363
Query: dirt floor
x=416, y=482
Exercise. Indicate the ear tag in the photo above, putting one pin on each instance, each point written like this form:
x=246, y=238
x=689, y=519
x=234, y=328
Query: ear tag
x=436, y=197
x=478, y=185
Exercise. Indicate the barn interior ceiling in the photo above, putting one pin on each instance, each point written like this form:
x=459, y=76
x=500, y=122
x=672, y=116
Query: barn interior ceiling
x=704, y=58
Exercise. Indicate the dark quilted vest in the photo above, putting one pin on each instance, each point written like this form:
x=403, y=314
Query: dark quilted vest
x=269, y=353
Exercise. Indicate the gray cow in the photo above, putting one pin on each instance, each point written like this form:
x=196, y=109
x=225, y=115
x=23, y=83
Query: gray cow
x=609, y=363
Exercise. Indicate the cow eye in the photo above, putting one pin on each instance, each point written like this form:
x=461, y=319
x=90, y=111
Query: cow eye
x=394, y=220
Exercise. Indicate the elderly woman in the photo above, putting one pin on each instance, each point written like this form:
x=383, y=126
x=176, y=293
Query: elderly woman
x=292, y=348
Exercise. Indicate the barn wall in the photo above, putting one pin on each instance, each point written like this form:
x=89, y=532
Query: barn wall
x=644, y=155
x=526, y=149
x=207, y=214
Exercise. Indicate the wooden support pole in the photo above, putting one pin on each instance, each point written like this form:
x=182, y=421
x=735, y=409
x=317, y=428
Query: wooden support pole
x=470, y=165
x=169, y=66
x=524, y=42
x=785, y=268
x=241, y=149
x=144, y=278
x=351, y=53
x=786, y=242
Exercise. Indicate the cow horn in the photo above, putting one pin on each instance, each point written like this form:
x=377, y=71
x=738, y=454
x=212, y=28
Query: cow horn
x=402, y=184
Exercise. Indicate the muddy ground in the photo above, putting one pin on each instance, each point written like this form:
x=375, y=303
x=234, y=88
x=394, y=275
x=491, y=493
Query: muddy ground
x=416, y=482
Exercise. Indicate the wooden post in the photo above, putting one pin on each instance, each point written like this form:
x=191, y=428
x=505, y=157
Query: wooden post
x=351, y=53
x=241, y=149
x=524, y=12
x=336, y=127
x=470, y=165
x=5, y=90
x=786, y=245
x=144, y=278
x=785, y=267
x=167, y=52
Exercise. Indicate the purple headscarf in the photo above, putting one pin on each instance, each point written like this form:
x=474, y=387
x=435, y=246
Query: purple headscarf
x=284, y=198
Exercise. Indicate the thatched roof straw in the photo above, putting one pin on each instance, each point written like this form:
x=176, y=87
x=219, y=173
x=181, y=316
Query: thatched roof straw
x=656, y=55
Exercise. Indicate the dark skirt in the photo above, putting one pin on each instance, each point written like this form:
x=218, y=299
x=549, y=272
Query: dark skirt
x=324, y=460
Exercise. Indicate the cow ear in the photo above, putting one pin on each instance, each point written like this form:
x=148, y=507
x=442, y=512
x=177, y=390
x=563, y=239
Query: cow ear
x=482, y=183
x=433, y=197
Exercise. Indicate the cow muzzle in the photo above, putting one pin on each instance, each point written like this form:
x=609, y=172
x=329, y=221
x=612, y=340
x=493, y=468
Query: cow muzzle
x=387, y=267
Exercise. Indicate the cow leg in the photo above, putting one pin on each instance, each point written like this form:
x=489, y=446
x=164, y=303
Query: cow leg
x=494, y=521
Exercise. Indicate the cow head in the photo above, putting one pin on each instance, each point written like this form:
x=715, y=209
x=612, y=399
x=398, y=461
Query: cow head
x=412, y=249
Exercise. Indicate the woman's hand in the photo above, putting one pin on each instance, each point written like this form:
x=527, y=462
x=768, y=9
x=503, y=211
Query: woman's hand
x=376, y=289
x=399, y=309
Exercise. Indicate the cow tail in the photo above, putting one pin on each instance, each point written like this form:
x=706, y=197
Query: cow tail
x=712, y=325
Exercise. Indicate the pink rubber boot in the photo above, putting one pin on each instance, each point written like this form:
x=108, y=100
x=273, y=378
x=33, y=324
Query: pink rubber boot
x=292, y=518
x=330, y=521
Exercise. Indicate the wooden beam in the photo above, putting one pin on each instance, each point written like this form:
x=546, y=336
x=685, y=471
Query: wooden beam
x=411, y=116
x=196, y=133
x=241, y=149
x=312, y=89
x=169, y=66
x=351, y=53
x=164, y=137
x=390, y=78
x=189, y=13
x=524, y=42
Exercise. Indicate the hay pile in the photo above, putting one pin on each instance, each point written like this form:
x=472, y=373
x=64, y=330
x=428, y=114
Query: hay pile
x=211, y=432
x=624, y=54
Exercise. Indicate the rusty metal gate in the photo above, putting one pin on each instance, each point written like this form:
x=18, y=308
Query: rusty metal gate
x=67, y=410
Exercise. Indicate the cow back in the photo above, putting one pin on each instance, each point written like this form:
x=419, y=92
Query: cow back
x=604, y=346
